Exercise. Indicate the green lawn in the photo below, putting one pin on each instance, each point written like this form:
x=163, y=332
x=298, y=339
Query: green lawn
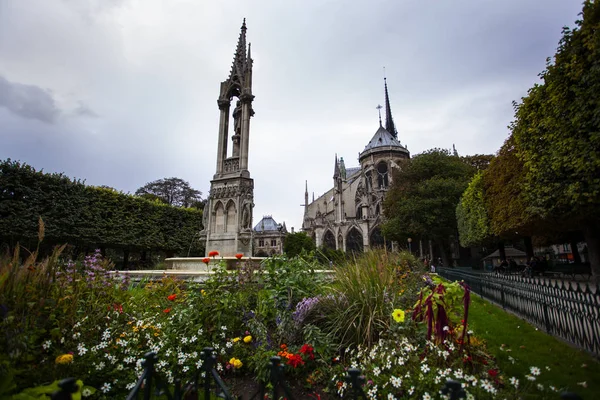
x=532, y=347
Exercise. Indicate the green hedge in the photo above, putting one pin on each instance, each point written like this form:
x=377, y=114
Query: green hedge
x=88, y=216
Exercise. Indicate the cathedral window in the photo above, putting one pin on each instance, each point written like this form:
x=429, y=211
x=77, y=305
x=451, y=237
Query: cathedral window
x=382, y=175
x=261, y=243
x=273, y=242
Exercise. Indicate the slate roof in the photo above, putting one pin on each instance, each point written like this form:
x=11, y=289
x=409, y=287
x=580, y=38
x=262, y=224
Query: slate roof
x=510, y=252
x=351, y=171
x=382, y=138
x=267, y=223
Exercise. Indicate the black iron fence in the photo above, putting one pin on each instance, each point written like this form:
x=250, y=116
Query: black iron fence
x=150, y=384
x=568, y=310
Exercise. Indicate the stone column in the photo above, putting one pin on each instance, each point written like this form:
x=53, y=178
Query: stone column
x=246, y=100
x=223, y=129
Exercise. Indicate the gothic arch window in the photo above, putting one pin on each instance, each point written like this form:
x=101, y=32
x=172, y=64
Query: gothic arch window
x=376, y=239
x=329, y=240
x=382, y=175
x=359, y=213
x=219, y=220
x=377, y=210
x=230, y=217
x=354, y=241
x=340, y=242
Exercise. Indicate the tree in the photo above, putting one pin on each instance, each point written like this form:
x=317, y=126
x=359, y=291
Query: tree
x=471, y=216
x=479, y=161
x=422, y=199
x=171, y=191
x=295, y=243
x=556, y=131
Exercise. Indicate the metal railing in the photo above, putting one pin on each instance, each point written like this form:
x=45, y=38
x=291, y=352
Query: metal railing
x=568, y=310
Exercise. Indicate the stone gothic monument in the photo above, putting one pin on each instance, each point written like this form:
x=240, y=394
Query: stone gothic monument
x=228, y=212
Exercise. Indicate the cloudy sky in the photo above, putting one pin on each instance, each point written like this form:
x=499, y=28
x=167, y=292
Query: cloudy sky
x=123, y=92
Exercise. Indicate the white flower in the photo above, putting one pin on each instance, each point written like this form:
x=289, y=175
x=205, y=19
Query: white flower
x=62, y=340
x=583, y=384
x=553, y=388
x=391, y=397
x=186, y=368
x=106, y=334
x=458, y=374
x=193, y=339
x=229, y=345
x=514, y=381
x=530, y=378
x=396, y=382
x=540, y=386
x=224, y=328
x=376, y=371
x=105, y=388
x=425, y=368
x=200, y=331
x=426, y=396
x=446, y=329
x=120, y=367
x=130, y=386
x=81, y=349
x=100, y=365
x=184, y=340
x=534, y=371
x=411, y=390
x=76, y=335
x=469, y=332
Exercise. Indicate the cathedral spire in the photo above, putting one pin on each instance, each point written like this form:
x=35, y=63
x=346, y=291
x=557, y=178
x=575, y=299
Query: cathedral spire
x=239, y=58
x=389, y=122
x=336, y=168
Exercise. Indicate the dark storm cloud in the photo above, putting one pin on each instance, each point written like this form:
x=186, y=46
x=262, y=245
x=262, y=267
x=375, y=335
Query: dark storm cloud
x=28, y=101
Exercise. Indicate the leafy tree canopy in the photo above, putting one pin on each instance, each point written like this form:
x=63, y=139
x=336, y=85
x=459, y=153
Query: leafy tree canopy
x=471, y=215
x=295, y=243
x=423, y=197
x=172, y=191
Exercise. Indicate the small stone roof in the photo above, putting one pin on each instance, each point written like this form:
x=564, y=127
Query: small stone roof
x=266, y=224
x=509, y=251
x=382, y=138
x=351, y=171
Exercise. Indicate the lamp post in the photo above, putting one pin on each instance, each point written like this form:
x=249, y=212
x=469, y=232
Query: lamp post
x=409, y=247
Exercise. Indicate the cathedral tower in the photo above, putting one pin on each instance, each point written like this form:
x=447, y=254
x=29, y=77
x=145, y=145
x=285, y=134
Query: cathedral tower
x=228, y=212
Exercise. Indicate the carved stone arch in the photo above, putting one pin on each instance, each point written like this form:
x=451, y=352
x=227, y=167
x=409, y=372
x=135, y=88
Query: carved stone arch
x=218, y=218
x=329, y=239
x=382, y=174
x=230, y=216
x=376, y=239
x=354, y=240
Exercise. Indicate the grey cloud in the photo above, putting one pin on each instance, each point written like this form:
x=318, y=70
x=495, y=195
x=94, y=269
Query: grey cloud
x=82, y=110
x=28, y=101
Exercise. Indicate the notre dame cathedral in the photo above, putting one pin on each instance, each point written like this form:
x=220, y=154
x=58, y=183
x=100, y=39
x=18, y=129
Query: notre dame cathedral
x=348, y=216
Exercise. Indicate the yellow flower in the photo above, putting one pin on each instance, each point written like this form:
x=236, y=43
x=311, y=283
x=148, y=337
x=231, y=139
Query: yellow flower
x=248, y=339
x=398, y=315
x=237, y=364
x=203, y=292
x=237, y=339
x=64, y=359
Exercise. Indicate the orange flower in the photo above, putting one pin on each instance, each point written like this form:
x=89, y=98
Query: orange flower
x=167, y=310
x=213, y=253
x=239, y=255
x=206, y=260
x=172, y=297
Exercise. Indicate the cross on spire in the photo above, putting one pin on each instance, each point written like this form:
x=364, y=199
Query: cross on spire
x=379, y=109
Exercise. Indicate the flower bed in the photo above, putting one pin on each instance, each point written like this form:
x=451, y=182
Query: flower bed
x=406, y=331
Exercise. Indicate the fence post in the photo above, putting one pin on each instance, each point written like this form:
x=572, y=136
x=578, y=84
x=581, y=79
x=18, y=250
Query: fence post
x=502, y=296
x=546, y=317
x=67, y=387
x=208, y=361
x=150, y=360
x=275, y=365
x=355, y=381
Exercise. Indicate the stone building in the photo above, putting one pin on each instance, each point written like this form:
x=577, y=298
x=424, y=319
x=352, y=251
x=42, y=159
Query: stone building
x=228, y=212
x=268, y=237
x=348, y=216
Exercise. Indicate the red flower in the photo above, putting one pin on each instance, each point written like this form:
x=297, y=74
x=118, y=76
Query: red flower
x=213, y=253
x=493, y=372
x=172, y=297
x=118, y=307
x=307, y=349
x=206, y=260
x=295, y=360
x=239, y=255
x=167, y=310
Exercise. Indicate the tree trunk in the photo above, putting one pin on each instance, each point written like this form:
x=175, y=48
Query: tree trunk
x=575, y=251
x=591, y=232
x=125, y=258
x=528, y=247
x=443, y=253
x=501, y=250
